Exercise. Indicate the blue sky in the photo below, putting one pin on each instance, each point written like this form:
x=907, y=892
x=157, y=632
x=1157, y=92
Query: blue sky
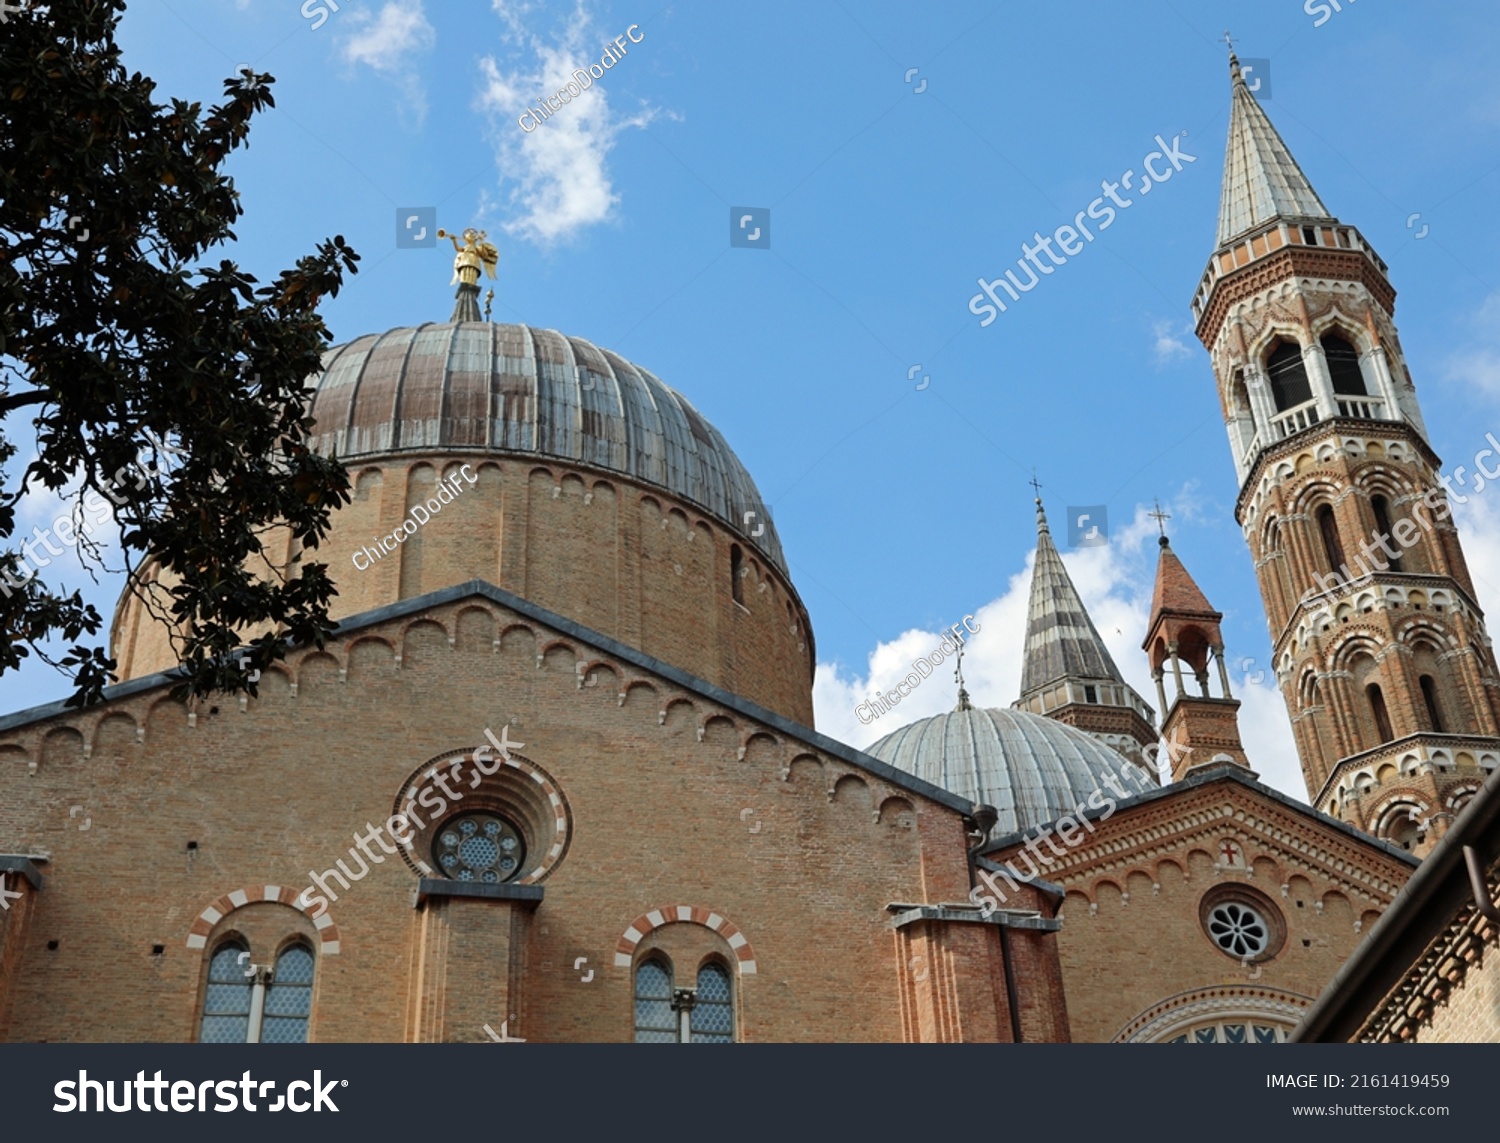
x=900, y=509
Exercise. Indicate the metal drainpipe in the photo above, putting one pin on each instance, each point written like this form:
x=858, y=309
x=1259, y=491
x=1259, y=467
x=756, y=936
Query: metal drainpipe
x=1010, y=985
x=1481, y=888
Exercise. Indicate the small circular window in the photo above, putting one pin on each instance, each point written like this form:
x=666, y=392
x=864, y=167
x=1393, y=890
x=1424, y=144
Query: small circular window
x=479, y=847
x=1238, y=929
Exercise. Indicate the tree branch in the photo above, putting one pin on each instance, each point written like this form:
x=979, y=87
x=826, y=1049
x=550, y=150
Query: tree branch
x=17, y=400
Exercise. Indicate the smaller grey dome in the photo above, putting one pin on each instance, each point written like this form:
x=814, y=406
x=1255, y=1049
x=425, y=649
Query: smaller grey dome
x=1032, y=769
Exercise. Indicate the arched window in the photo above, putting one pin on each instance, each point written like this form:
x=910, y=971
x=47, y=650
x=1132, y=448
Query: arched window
x=736, y=573
x=665, y=1014
x=713, y=1009
x=1383, y=523
x=655, y=1020
x=1333, y=548
x=289, y=997
x=1430, y=699
x=245, y=1004
x=1381, y=715
x=1289, y=384
x=1404, y=831
x=226, y=1003
x=1343, y=366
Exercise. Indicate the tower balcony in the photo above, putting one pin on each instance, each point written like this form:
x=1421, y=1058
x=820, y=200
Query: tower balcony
x=1305, y=416
x=1294, y=420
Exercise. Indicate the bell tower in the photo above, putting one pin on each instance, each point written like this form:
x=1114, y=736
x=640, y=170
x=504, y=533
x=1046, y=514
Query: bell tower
x=1201, y=729
x=1378, y=644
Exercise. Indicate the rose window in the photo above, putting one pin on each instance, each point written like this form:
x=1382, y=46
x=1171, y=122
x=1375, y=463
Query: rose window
x=479, y=847
x=1238, y=929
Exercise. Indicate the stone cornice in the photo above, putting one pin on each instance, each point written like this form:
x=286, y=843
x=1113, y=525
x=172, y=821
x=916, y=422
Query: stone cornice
x=1148, y=828
x=1337, y=427
x=1290, y=262
x=1357, y=762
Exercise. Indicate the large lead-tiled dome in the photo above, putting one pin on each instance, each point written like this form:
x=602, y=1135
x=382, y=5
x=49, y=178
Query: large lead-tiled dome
x=513, y=389
x=1032, y=769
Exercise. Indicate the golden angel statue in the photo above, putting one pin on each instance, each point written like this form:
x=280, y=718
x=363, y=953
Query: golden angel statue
x=471, y=255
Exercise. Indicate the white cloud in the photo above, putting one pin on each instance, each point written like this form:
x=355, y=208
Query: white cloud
x=386, y=42
x=1115, y=582
x=1479, y=364
x=1479, y=531
x=1478, y=516
x=1168, y=346
x=562, y=182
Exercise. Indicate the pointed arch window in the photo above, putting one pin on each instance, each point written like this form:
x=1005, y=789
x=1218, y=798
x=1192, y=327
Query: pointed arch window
x=1343, y=366
x=1381, y=715
x=736, y=574
x=1289, y=384
x=226, y=1003
x=1333, y=547
x=1382, y=509
x=1430, y=700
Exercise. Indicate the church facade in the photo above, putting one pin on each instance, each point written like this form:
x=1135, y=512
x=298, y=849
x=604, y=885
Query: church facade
x=555, y=779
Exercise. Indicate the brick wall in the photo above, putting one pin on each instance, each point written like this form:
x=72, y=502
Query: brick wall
x=205, y=822
x=627, y=561
x=1133, y=934
x=1471, y=1014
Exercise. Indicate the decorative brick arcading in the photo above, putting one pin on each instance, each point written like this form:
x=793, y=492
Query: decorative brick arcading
x=203, y=925
x=688, y=914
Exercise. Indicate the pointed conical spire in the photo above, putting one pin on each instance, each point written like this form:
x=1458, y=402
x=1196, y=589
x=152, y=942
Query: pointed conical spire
x=1262, y=181
x=1068, y=674
x=1176, y=591
x=1060, y=638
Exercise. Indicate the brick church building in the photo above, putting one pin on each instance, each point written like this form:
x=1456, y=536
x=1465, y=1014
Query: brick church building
x=555, y=780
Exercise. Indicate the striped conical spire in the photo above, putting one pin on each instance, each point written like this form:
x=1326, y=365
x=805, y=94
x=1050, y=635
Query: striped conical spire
x=1262, y=181
x=1061, y=641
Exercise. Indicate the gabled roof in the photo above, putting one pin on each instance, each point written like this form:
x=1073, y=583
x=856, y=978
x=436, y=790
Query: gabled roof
x=1262, y=181
x=1204, y=776
x=1061, y=641
x=573, y=630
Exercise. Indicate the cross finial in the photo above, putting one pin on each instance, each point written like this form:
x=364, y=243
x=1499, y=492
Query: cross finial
x=958, y=676
x=1161, y=518
x=1228, y=39
x=1035, y=484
